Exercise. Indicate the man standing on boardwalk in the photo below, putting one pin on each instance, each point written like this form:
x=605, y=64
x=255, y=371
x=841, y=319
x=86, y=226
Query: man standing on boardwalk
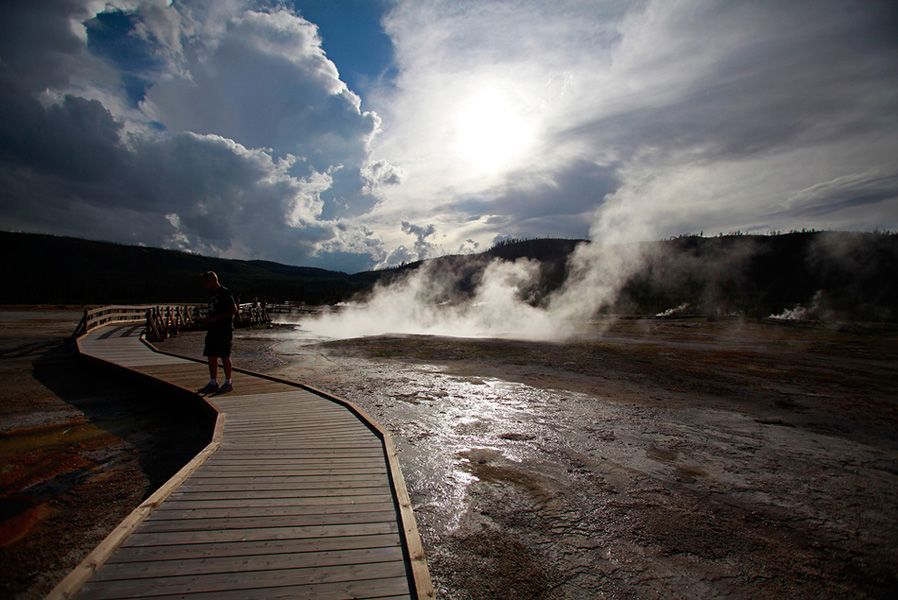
x=220, y=333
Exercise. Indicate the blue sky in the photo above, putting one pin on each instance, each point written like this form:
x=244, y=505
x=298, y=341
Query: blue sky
x=356, y=134
x=353, y=39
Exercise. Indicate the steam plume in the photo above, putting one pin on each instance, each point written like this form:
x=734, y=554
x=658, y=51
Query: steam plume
x=425, y=301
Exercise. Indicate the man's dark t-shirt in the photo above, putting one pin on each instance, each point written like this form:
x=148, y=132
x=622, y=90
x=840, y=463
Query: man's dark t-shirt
x=220, y=304
x=220, y=332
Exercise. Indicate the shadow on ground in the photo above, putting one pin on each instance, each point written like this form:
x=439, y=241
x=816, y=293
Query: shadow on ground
x=81, y=446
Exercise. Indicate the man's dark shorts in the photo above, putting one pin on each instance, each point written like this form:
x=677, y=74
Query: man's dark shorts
x=218, y=343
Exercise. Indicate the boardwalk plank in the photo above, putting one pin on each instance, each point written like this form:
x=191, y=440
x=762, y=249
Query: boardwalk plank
x=298, y=492
x=282, y=483
x=319, y=466
x=274, y=495
x=165, y=567
x=302, y=458
x=156, y=525
x=191, y=584
x=319, y=454
x=335, y=428
x=286, y=444
x=264, y=533
x=253, y=548
x=299, y=465
x=289, y=501
x=369, y=588
x=242, y=472
x=268, y=511
x=300, y=421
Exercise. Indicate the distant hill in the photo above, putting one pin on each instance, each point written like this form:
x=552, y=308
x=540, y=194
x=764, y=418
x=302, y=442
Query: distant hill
x=832, y=274
x=62, y=270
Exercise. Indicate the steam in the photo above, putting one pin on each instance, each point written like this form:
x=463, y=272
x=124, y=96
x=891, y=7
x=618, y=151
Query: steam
x=799, y=312
x=425, y=302
x=673, y=312
x=503, y=304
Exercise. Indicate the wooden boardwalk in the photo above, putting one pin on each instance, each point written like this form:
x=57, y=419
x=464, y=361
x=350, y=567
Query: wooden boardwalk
x=298, y=495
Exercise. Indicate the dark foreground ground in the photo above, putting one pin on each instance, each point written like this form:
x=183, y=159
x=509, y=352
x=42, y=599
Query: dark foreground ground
x=667, y=459
x=677, y=459
x=78, y=450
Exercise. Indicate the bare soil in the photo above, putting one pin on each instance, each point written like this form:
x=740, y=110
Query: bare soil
x=646, y=459
x=79, y=450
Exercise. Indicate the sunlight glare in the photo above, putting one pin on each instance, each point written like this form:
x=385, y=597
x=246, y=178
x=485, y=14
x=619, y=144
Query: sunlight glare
x=492, y=132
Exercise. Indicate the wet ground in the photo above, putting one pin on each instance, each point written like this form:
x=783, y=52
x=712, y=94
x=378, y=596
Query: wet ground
x=79, y=450
x=663, y=459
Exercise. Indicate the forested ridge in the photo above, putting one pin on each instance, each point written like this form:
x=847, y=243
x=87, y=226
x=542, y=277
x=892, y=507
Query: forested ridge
x=838, y=275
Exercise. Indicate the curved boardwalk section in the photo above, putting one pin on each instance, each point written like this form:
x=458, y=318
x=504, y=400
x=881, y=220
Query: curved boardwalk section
x=298, y=496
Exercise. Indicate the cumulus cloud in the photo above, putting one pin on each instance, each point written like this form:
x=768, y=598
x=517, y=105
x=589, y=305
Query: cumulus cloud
x=423, y=248
x=266, y=82
x=44, y=44
x=214, y=127
x=379, y=174
x=468, y=246
x=73, y=166
x=349, y=247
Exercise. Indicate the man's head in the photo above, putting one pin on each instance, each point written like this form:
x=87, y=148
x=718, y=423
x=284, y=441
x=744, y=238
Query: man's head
x=210, y=280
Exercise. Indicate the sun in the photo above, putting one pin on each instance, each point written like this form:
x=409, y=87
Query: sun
x=492, y=131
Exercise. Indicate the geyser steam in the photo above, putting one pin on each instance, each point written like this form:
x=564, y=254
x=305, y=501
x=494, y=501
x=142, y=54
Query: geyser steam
x=426, y=301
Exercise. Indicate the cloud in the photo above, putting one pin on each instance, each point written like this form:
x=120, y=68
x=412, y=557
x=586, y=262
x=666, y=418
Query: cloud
x=528, y=118
x=858, y=190
x=379, y=174
x=68, y=165
x=420, y=250
x=650, y=96
x=349, y=247
x=468, y=246
x=44, y=44
x=265, y=82
x=209, y=127
x=423, y=248
x=399, y=256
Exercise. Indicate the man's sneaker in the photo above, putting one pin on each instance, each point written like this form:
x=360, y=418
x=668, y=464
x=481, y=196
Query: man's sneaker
x=226, y=388
x=209, y=388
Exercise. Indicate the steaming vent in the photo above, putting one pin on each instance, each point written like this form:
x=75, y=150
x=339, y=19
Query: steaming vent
x=800, y=313
x=673, y=312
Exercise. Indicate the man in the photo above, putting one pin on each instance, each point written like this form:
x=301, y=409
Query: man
x=220, y=333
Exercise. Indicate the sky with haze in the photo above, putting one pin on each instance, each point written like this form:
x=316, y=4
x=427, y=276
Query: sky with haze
x=357, y=134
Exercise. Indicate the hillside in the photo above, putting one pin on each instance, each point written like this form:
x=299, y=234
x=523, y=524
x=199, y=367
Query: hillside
x=60, y=270
x=837, y=275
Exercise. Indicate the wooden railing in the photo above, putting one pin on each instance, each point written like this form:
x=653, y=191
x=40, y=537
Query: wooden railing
x=105, y=315
x=165, y=320
x=170, y=319
x=251, y=314
x=289, y=308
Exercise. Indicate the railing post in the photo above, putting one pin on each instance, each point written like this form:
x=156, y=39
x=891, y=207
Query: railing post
x=82, y=326
x=149, y=323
